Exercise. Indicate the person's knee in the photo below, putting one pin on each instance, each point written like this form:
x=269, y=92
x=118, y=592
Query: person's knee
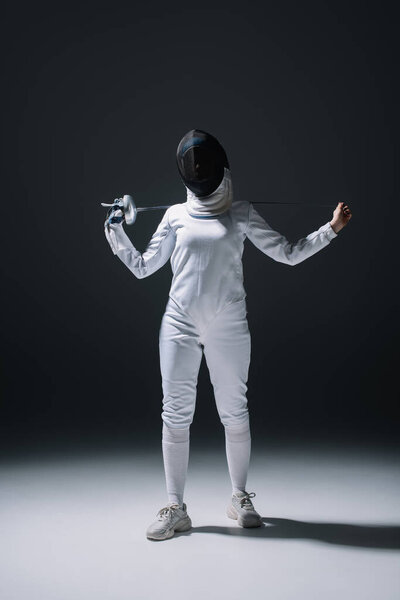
x=176, y=419
x=178, y=403
x=233, y=415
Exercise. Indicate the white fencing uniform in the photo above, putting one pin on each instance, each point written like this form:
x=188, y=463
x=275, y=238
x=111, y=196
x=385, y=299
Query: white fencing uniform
x=206, y=311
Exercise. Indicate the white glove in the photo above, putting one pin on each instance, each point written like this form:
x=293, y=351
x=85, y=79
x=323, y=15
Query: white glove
x=115, y=218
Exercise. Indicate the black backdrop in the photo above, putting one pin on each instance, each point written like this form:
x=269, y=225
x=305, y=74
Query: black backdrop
x=94, y=103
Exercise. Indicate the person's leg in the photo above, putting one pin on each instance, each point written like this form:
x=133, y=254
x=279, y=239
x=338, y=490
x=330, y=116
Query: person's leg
x=180, y=359
x=175, y=448
x=227, y=347
x=238, y=448
x=227, y=350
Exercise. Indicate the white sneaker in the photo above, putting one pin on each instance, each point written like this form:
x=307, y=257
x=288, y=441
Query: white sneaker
x=242, y=510
x=171, y=518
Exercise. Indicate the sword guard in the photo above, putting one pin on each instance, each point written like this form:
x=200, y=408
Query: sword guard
x=129, y=208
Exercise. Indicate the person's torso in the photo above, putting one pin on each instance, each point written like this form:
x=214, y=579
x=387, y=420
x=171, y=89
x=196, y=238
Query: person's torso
x=207, y=259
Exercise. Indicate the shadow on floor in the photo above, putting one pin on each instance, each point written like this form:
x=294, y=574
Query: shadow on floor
x=362, y=536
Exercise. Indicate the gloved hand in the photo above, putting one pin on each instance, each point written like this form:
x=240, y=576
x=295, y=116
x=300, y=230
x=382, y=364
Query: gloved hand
x=115, y=213
x=115, y=216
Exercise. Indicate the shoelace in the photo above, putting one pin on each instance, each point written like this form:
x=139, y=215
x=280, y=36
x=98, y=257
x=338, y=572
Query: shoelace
x=167, y=511
x=245, y=502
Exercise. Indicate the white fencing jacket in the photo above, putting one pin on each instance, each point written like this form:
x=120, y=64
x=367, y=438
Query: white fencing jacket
x=206, y=253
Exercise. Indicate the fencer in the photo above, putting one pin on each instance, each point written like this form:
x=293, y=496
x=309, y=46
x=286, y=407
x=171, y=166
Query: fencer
x=206, y=313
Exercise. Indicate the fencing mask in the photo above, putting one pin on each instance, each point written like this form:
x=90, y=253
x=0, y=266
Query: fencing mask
x=201, y=162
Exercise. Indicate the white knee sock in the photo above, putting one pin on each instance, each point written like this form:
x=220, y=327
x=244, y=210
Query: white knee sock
x=238, y=447
x=175, y=447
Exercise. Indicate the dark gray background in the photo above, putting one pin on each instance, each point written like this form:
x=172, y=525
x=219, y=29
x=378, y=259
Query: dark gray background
x=96, y=100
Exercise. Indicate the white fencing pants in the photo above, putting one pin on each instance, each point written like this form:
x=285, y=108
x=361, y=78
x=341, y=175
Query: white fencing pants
x=225, y=340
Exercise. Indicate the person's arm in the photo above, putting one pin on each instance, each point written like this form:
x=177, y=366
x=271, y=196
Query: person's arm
x=157, y=253
x=276, y=246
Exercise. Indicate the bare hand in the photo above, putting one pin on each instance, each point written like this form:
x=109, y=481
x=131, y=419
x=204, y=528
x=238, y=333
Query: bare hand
x=341, y=216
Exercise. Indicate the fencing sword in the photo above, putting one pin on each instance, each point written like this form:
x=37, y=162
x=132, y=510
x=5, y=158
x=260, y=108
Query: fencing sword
x=130, y=210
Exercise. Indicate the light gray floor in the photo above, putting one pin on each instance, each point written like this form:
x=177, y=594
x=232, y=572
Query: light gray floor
x=74, y=528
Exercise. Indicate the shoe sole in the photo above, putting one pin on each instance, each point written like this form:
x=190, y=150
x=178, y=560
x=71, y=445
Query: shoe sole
x=250, y=521
x=182, y=525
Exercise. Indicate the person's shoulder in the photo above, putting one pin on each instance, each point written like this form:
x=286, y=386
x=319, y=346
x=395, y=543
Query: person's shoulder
x=176, y=209
x=240, y=214
x=240, y=209
x=175, y=212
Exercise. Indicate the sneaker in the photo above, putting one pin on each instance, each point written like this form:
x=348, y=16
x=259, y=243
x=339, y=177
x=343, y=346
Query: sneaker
x=171, y=518
x=242, y=509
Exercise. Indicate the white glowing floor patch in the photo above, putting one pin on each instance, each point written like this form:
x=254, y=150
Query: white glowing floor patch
x=74, y=529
